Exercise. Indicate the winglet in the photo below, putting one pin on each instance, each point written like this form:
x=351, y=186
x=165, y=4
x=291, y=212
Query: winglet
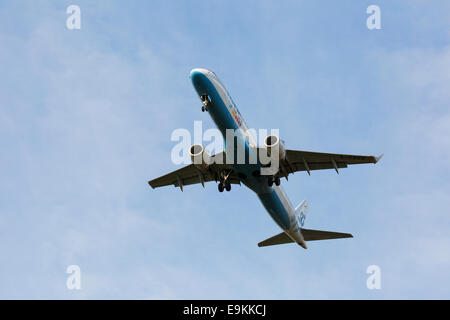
x=379, y=157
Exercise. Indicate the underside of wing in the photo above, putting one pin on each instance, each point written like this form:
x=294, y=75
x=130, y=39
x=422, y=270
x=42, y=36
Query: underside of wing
x=186, y=175
x=298, y=160
x=192, y=174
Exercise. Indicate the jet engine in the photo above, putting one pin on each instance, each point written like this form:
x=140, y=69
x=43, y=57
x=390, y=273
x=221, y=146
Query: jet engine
x=275, y=145
x=199, y=156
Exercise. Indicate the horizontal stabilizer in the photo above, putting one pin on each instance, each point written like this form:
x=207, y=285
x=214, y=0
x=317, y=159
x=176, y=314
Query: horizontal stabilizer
x=278, y=239
x=310, y=235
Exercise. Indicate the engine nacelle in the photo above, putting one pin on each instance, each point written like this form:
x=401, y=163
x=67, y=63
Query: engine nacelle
x=275, y=145
x=199, y=156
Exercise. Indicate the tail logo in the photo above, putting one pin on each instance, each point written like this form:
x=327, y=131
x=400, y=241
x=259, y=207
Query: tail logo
x=302, y=219
x=299, y=217
x=298, y=221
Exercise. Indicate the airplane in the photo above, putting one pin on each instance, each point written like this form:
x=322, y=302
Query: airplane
x=205, y=168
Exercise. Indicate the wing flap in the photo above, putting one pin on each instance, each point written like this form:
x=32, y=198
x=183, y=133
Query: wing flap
x=318, y=165
x=310, y=156
x=298, y=160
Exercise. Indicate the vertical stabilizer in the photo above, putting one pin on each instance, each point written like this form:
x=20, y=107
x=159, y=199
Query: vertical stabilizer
x=300, y=213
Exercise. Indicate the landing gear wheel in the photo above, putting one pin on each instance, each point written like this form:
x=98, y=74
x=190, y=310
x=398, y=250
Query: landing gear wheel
x=270, y=181
x=228, y=186
x=220, y=186
x=277, y=181
x=205, y=101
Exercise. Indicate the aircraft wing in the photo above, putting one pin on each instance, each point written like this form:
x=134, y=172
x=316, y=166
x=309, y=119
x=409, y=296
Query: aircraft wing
x=192, y=174
x=298, y=160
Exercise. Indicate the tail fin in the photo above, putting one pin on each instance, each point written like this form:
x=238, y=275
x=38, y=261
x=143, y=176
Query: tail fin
x=300, y=212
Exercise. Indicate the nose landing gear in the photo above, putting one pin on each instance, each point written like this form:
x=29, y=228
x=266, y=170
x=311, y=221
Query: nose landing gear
x=206, y=102
x=272, y=180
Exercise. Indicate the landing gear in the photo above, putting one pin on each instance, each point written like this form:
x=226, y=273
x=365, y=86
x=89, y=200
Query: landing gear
x=206, y=102
x=272, y=180
x=277, y=181
x=224, y=186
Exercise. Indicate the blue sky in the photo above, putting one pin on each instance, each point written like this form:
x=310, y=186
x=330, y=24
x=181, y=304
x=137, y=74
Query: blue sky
x=86, y=118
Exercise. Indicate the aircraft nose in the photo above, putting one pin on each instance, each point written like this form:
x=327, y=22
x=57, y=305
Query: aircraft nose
x=198, y=72
x=198, y=76
x=195, y=73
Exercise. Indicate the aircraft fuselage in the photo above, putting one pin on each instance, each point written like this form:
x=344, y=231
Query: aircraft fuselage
x=225, y=114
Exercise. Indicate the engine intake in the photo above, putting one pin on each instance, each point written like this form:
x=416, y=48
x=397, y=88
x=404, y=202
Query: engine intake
x=199, y=156
x=275, y=145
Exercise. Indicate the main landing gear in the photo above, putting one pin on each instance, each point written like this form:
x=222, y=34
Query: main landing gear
x=272, y=180
x=206, y=102
x=224, y=184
